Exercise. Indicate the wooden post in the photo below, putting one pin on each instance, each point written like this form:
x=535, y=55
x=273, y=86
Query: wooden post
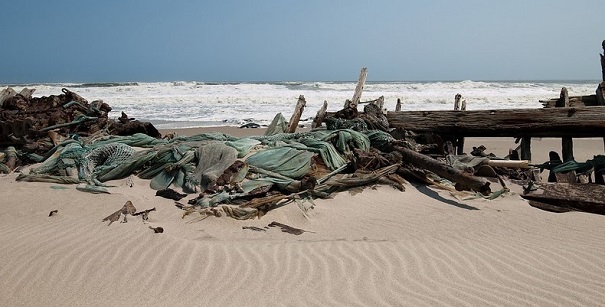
x=321, y=114
x=457, y=102
x=601, y=88
x=300, y=106
x=603, y=61
x=566, y=142
x=398, y=106
x=526, y=148
x=358, y=89
x=460, y=141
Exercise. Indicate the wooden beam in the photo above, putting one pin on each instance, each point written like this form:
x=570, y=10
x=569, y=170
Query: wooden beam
x=586, y=197
x=544, y=122
x=300, y=107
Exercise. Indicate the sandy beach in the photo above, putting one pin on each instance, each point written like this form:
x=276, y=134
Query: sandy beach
x=421, y=247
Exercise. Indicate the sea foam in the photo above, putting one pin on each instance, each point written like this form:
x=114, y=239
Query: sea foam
x=182, y=104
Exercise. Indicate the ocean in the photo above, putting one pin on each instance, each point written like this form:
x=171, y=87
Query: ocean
x=184, y=104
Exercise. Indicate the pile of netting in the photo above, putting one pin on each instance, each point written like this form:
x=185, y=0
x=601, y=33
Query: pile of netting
x=240, y=177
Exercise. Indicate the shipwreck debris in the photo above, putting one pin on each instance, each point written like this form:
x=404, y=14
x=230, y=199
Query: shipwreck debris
x=128, y=208
x=288, y=229
x=26, y=121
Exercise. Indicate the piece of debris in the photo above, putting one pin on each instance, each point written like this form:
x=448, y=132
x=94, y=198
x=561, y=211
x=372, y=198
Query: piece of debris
x=157, y=229
x=288, y=229
x=53, y=212
x=128, y=208
x=144, y=214
x=170, y=194
x=250, y=126
x=253, y=228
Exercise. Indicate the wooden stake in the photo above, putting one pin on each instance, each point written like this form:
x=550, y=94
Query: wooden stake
x=321, y=114
x=358, y=89
x=300, y=107
x=457, y=102
x=460, y=140
x=603, y=60
x=526, y=148
x=566, y=142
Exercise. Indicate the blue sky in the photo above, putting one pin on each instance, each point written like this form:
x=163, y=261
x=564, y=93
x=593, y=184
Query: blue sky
x=293, y=40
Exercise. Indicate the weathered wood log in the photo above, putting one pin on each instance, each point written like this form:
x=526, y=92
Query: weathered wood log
x=545, y=122
x=587, y=197
x=462, y=179
x=566, y=142
x=300, y=107
x=321, y=114
x=358, y=89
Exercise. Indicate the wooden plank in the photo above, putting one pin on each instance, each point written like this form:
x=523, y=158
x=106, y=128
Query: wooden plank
x=544, y=122
x=587, y=197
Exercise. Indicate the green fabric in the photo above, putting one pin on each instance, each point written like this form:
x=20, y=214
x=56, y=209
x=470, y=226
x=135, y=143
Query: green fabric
x=243, y=145
x=465, y=162
x=214, y=159
x=285, y=161
x=278, y=125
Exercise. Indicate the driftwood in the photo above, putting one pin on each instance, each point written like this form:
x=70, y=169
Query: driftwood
x=555, y=122
x=463, y=180
x=300, y=107
x=358, y=89
x=321, y=114
x=562, y=197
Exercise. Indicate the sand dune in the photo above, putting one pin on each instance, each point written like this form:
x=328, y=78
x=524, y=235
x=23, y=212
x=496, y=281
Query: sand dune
x=421, y=247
